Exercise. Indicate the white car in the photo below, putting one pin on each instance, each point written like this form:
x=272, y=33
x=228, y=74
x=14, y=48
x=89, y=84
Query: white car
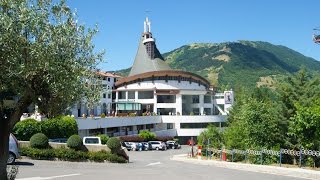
x=91, y=140
x=158, y=145
x=13, y=149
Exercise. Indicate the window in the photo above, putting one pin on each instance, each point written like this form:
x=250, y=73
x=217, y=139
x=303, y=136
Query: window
x=104, y=95
x=166, y=99
x=145, y=95
x=169, y=125
x=197, y=125
x=149, y=126
x=195, y=99
x=196, y=111
x=108, y=79
x=207, y=99
x=207, y=111
x=109, y=96
x=131, y=95
x=122, y=95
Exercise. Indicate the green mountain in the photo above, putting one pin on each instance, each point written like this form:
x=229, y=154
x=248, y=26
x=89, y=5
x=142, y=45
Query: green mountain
x=237, y=63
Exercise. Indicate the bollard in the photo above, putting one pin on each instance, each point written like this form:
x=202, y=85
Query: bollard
x=199, y=152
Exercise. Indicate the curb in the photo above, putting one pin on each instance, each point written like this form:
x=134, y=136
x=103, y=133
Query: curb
x=283, y=171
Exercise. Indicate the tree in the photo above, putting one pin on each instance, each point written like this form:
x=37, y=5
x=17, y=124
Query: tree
x=296, y=93
x=305, y=126
x=46, y=58
x=255, y=122
x=211, y=134
x=147, y=135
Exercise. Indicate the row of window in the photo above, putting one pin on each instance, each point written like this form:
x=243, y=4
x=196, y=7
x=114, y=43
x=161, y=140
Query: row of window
x=201, y=125
x=105, y=96
x=110, y=79
x=161, y=98
x=168, y=78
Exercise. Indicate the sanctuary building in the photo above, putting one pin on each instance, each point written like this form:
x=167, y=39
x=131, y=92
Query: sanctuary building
x=155, y=97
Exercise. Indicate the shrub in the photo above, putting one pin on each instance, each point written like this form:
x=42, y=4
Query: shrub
x=74, y=142
x=39, y=141
x=147, y=135
x=115, y=158
x=70, y=155
x=99, y=156
x=60, y=127
x=23, y=130
x=114, y=144
x=131, y=139
x=68, y=126
x=132, y=114
x=104, y=138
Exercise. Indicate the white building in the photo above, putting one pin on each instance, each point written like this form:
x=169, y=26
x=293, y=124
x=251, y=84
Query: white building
x=165, y=101
x=108, y=81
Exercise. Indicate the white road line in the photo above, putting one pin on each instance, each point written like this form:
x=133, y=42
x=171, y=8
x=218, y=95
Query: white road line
x=153, y=164
x=51, y=177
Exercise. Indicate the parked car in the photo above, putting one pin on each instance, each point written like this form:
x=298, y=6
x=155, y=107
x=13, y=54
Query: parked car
x=147, y=146
x=91, y=140
x=129, y=145
x=157, y=145
x=173, y=145
x=13, y=149
x=59, y=140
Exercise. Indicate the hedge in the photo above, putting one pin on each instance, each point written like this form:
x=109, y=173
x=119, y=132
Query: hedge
x=70, y=155
x=60, y=127
x=25, y=129
x=104, y=138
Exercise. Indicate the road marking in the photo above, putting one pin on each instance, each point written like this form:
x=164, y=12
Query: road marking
x=51, y=177
x=153, y=164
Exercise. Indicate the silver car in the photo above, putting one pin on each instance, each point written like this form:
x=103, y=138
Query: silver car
x=157, y=145
x=13, y=149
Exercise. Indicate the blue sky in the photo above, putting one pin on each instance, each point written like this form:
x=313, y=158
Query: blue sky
x=175, y=23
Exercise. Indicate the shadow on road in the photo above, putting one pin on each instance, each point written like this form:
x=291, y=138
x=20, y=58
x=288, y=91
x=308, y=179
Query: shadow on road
x=23, y=163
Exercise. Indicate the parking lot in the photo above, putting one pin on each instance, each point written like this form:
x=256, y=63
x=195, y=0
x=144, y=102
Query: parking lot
x=155, y=165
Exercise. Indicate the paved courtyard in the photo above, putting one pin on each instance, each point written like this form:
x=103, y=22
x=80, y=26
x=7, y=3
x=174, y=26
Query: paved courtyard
x=153, y=165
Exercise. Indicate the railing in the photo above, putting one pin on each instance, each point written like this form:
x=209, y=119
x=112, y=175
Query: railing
x=298, y=153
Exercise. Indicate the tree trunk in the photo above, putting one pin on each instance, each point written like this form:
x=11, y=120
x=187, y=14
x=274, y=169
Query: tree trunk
x=4, y=146
x=7, y=122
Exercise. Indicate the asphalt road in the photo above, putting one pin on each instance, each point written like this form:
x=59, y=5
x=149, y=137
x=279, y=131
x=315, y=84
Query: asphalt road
x=146, y=165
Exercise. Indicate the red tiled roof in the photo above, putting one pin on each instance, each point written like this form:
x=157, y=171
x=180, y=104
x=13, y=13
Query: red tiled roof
x=107, y=74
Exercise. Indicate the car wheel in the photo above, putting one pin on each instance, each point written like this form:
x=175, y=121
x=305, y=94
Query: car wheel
x=157, y=148
x=173, y=147
x=11, y=158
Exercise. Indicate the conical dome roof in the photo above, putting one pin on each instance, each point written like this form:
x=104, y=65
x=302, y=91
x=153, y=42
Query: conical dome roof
x=148, y=57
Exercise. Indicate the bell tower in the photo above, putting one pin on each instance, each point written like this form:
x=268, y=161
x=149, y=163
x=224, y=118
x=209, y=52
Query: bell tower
x=148, y=57
x=148, y=41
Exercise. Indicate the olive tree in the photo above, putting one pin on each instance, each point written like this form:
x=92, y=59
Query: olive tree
x=46, y=58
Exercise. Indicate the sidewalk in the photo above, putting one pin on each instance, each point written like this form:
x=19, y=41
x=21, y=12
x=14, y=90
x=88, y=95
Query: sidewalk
x=293, y=172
